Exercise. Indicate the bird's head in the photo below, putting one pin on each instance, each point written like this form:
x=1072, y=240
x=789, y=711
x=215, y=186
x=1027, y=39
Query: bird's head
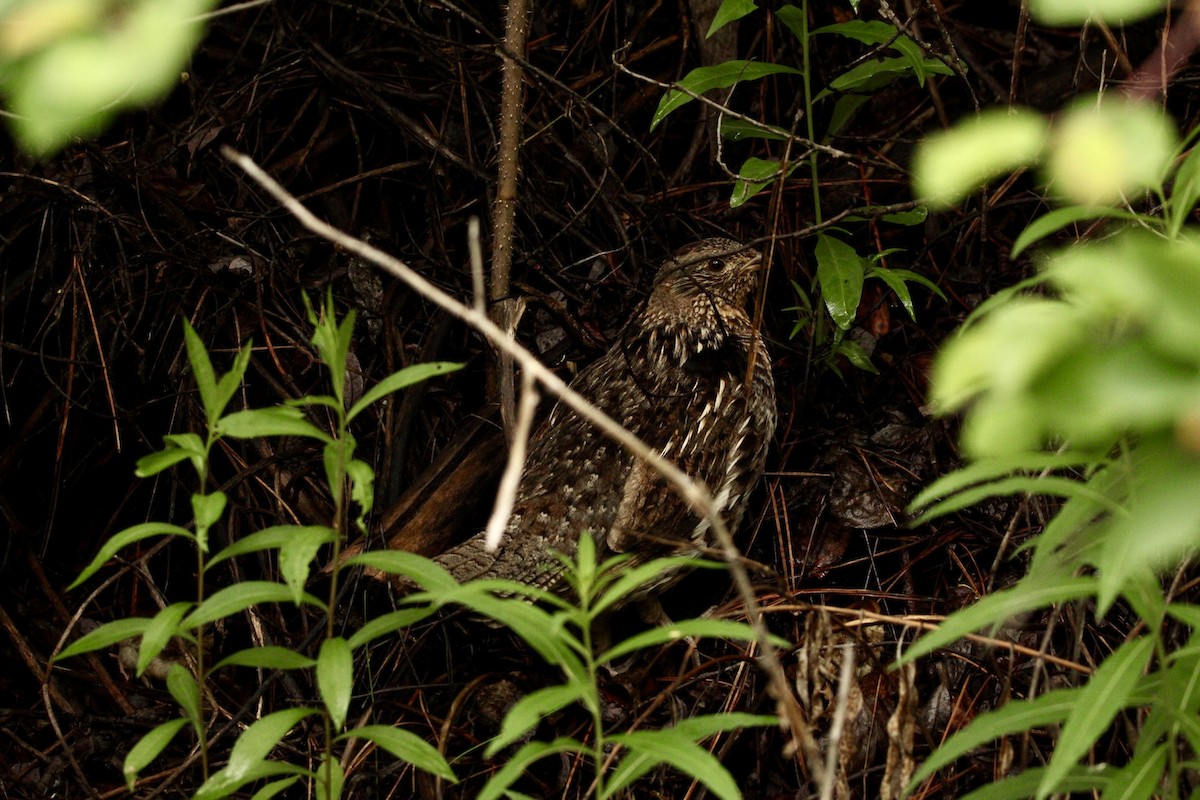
x=721, y=271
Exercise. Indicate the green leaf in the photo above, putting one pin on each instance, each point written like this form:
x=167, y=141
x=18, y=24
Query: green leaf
x=335, y=678
x=898, y=280
x=119, y=541
x=840, y=272
x=207, y=509
x=874, y=74
x=529, y=711
x=711, y=628
x=203, y=373
x=1080, y=780
x=853, y=352
x=1051, y=485
x=159, y=631
x=1073, y=13
x=400, y=380
x=729, y=11
x=224, y=783
x=1015, y=716
x=520, y=761
x=73, y=84
x=266, y=657
x=755, y=175
x=154, y=463
x=106, y=635
x=148, y=748
x=183, y=687
x=736, y=130
x=260, y=738
x=843, y=112
x=876, y=32
x=330, y=779
x=416, y=568
x=1059, y=218
x=1185, y=191
x=718, y=76
x=1139, y=779
x=674, y=748
x=362, y=490
x=273, y=788
x=628, y=580
x=1106, y=693
x=239, y=597
x=996, y=608
x=276, y=536
x=950, y=164
x=389, y=623
x=405, y=746
x=273, y=421
x=1104, y=152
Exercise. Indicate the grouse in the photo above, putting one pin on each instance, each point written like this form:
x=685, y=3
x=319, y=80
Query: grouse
x=689, y=375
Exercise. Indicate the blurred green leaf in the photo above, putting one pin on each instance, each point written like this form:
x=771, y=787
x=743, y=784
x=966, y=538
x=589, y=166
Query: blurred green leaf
x=951, y=164
x=1074, y=13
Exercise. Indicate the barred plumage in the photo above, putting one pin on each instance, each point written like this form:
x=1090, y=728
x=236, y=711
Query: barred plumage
x=676, y=377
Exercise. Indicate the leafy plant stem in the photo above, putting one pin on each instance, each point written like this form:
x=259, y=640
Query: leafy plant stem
x=806, y=68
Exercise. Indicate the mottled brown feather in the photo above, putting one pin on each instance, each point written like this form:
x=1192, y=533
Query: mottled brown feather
x=676, y=377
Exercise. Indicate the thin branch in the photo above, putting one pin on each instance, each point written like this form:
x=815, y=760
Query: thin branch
x=693, y=492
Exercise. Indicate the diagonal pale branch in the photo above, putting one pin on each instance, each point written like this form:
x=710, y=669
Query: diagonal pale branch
x=693, y=492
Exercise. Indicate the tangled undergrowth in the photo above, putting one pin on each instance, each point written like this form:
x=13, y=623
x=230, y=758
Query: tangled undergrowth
x=381, y=117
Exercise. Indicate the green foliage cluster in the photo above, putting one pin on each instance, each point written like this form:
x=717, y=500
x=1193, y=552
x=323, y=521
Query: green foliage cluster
x=1098, y=358
x=559, y=630
x=841, y=270
x=67, y=67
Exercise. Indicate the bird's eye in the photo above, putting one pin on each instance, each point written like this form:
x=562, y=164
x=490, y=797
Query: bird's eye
x=716, y=264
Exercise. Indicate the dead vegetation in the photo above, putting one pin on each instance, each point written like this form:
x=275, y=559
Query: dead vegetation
x=381, y=117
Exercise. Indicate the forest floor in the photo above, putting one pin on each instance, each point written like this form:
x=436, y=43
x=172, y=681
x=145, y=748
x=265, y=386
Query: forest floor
x=382, y=118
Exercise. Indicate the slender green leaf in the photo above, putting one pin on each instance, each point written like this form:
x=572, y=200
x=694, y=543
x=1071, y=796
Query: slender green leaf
x=629, y=580
x=736, y=130
x=227, y=781
x=1106, y=693
x=1015, y=716
x=335, y=678
x=106, y=635
x=996, y=608
x=405, y=746
x=755, y=175
x=853, y=352
x=273, y=788
x=159, y=631
x=1140, y=778
x=677, y=749
x=148, y=748
x=409, y=565
x=273, y=421
x=712, y=628
x=1059, y=218
x=267, y=657
x=989, y=469
x=203, y=373
x=389, y=623
x=400, y=380
x=1080, y=779
x=239, y=597
x=123, y=539
x=718, y=76
x=1050, y=485
x=729, y=11
x=530, y=710
x=183, y=687
x=154, y=463
x=330, y=778
x=528, y=754
x=260, y=738
x=276, y=536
